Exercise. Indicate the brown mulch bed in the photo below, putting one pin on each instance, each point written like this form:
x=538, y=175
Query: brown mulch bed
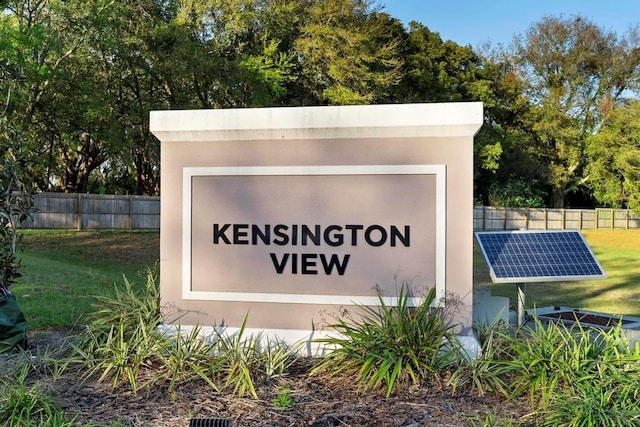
x=317, y=402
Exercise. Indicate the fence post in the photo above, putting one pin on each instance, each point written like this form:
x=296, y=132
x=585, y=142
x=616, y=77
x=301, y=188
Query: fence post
x=545, y=218
x=626, y=223
x=131, y=212
x=484, y=218
x=613, y=219
x=79, y=212
x=504, y=221
x=580, y=219
x=526, y=218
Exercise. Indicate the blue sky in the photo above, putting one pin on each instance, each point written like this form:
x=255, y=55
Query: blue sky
x=475, y=22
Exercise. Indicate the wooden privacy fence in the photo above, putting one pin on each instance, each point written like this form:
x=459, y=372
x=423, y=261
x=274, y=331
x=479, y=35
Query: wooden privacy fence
x=491, y=218
x=95, y=211
x=99, y=211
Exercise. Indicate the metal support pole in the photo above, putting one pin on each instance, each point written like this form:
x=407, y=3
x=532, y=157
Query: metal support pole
x=520, y=304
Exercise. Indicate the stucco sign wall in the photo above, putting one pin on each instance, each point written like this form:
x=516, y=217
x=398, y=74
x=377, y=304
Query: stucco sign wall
x=292, y=214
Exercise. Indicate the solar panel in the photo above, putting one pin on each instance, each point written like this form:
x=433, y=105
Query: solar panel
x=538, y=256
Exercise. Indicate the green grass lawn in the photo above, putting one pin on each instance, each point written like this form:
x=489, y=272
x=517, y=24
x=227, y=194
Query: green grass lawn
x=619, y=254
x=64, y=270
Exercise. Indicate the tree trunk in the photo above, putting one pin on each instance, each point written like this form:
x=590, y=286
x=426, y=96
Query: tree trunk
x=558, y=197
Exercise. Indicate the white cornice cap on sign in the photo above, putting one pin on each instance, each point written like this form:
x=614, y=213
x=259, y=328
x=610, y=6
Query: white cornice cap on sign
x=453, y=119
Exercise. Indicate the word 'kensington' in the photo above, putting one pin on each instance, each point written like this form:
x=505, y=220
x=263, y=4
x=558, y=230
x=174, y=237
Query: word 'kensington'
x=303, y=235
x=307, y=235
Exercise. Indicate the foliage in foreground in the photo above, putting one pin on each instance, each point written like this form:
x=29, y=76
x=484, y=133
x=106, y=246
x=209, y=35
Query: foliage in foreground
x=572, y=376
x=392, y=345
x=16, y=204
x=123, y=342
x=28, y=405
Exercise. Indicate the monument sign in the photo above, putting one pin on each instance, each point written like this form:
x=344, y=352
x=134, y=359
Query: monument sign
x=290, y=215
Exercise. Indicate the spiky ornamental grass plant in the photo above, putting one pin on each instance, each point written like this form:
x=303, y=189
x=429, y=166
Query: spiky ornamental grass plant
x=391, y=345
x=574, y=376
x=597, y=382
x=28, y=405
x=244, y=360
x=122, y=342
x=186, y=356
x=122, y=336
x=482, y=374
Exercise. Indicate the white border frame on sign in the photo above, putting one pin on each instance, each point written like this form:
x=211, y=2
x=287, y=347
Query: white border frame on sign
x=441, y=221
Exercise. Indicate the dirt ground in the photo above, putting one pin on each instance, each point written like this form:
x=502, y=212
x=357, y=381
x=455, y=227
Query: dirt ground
x=317, y=402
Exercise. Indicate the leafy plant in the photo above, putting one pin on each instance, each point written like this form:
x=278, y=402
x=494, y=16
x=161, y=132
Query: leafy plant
x=483, y=374
x=283, y=399
x=490, y=420
x=516, y=193
x=545, y=360
x=22, y=405
x=573, y=376
x=42, y=361
x=239, y=360
x=243, y=360
x=122, y=340
x=604, y=387
x=390, y=345
x=590, y=402
x=188, y=356
x=16, y=204
x=275, y=358
x=122, y=336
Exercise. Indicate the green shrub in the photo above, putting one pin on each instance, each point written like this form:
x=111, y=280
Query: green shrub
x=16, y=205
x=517, y=193
x=391, y=345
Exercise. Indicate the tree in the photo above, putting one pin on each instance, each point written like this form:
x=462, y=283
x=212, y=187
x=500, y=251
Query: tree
x=571, y=68
x=438, y=71
x=349, y=53
x=60, y=110
x=614, y=158
x=243, y=50
x=505, y=158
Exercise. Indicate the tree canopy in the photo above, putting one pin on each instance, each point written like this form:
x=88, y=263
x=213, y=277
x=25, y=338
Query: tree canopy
x=572, y=70
x=613, y=169
x=81, y=77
